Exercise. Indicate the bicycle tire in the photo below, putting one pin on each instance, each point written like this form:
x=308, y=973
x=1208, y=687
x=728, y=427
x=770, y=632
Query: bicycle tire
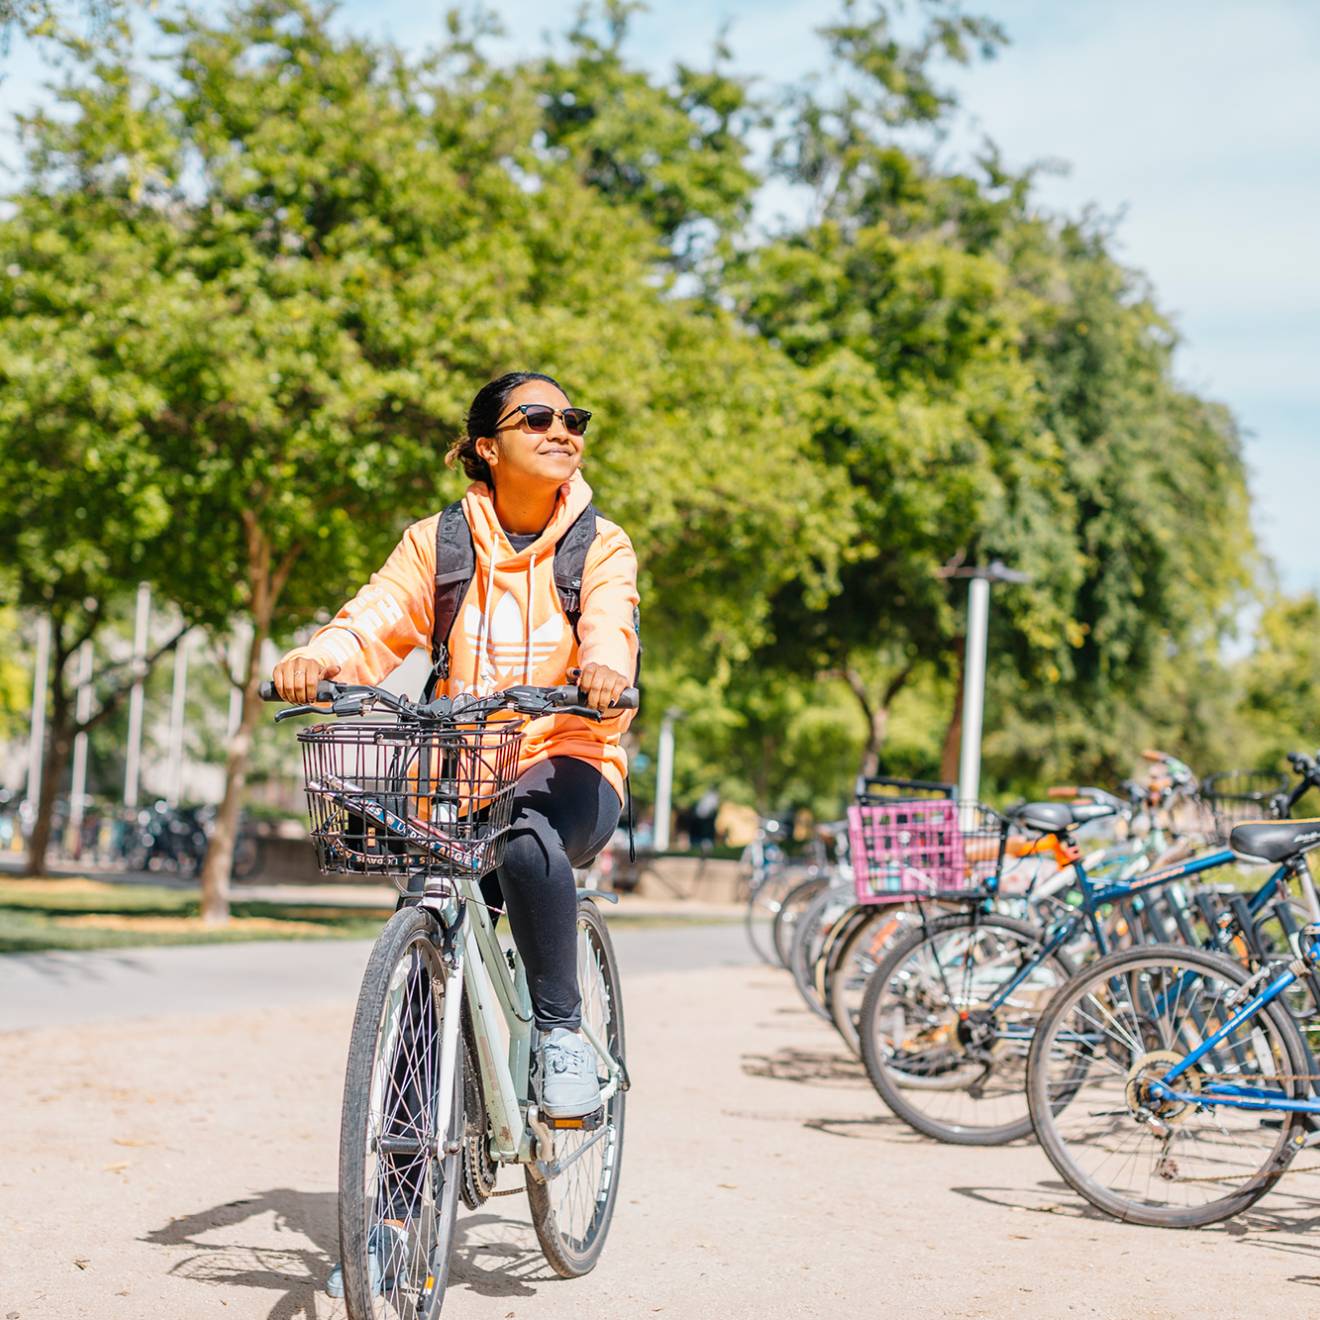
x=758, y=919
x=572, y=1249
x=390, y=1092
x=810, y=934
x=794, y=905
x=943, y=1070
x=1106, y=975
x=869, y=937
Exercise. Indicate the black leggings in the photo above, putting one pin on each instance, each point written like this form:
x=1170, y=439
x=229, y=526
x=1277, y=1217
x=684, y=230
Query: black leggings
x=564, y=812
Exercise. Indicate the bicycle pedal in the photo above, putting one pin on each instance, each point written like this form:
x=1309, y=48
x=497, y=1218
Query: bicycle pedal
x=587, y=1123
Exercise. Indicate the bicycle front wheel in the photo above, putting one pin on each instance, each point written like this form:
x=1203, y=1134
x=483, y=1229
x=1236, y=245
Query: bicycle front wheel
x=1169, y=1162
x=946, y=1022
x=572, y=1205
x=398, y=1171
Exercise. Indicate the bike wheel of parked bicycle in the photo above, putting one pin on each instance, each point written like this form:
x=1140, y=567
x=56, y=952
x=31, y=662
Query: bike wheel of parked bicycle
x=810, y=939
x=943, y=1036
x=791, y=910
x=762, y=908
x=862, y=949
x=572, y=1202
x=1170, y=1163
x=398, y=1173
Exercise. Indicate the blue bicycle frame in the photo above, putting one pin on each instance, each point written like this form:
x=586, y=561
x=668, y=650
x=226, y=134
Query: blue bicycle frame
x=1095, y=897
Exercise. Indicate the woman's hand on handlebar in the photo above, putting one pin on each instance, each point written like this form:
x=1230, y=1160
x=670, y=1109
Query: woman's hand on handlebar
x=296, y=678
x=600, y=685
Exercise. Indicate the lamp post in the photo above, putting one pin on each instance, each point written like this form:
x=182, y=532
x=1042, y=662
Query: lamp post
x=978, y=628
x=664, y=778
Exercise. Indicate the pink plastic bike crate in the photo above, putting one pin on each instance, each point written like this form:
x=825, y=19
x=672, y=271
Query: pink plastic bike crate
x=909, y=849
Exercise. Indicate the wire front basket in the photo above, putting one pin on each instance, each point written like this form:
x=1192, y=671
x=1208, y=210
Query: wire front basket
x=913, y=848
x=1235, y=796
x=419, y=806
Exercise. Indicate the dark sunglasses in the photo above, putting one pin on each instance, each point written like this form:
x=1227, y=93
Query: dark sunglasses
x=540, y=417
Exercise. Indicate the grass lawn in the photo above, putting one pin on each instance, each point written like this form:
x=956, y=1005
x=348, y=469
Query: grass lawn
x=78, y=913
x=90, y=914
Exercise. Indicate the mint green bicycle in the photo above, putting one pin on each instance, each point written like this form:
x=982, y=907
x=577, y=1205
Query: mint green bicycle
x=439, y=1090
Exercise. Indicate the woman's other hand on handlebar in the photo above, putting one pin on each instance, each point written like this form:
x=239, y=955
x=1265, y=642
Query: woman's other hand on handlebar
x=600, y=685
x=296, y=677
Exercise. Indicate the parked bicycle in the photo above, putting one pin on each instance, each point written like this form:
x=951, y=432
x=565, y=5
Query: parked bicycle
x=1170, y=1086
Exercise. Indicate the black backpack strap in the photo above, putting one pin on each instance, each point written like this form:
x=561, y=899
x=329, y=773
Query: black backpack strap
x=571, y=563
x=455, y=563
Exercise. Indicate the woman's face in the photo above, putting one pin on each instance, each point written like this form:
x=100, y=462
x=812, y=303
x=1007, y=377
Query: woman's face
x=531, y=457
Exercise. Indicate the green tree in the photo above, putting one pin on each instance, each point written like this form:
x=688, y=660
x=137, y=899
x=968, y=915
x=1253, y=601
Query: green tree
x=333, y=246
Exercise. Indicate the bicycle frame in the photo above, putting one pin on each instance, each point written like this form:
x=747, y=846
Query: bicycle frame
x=1094, y=897
x=499, y=1002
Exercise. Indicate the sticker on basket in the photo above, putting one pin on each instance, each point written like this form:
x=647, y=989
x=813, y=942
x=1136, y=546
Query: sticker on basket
x=416, y=831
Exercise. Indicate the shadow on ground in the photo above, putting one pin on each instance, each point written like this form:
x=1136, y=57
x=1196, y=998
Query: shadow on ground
x=807, y=1067
x=494, y=1255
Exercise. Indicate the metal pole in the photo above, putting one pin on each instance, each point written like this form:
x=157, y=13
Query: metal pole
x=82, y=712
x=178, y=705
x=978, y=617
x=664, y=781
x=37, y=726
x=137, y=697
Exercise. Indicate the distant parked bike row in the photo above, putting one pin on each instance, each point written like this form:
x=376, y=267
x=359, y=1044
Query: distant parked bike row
x=158, y=837
x=1099, y=968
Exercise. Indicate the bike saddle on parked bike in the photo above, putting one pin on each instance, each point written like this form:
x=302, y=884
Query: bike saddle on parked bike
x=1054, y=817
x=1275, y=840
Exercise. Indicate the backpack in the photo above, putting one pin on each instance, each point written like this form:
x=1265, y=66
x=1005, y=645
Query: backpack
x=456, y=564
x=455, y=567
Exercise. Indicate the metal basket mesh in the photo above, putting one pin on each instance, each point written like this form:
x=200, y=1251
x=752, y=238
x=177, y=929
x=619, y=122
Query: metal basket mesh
x=922, y=848
x=1235, y=796
x=421, y=805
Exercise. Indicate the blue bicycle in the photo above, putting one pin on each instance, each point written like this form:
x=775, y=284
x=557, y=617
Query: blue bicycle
x=1171, y=1086
x=950, y=1013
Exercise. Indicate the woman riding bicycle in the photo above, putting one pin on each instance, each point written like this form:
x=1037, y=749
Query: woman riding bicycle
x=522, y=452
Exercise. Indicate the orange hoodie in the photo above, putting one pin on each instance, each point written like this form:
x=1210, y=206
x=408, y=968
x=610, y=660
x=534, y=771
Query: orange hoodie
x=510, y=628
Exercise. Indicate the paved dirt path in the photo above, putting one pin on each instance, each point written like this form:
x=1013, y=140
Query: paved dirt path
x=183, y=1167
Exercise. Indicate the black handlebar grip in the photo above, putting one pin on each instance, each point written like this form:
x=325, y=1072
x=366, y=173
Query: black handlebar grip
x=325, y=691
x=571, y=695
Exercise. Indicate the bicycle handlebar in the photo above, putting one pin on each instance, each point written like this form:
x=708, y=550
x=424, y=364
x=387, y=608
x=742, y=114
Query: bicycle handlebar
x=566, y=699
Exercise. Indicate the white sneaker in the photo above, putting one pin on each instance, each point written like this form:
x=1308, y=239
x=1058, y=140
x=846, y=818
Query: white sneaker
x=569, y=1085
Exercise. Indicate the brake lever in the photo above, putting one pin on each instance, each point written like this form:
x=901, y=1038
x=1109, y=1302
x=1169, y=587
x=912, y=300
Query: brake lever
x=292, y=712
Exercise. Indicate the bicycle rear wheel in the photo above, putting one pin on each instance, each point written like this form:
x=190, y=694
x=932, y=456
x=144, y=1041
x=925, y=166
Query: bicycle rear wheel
x=1127, y=1020
x=396, y=1168
x=573, y=1206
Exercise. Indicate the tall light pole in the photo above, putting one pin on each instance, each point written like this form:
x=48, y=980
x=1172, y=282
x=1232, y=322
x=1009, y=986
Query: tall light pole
x=664, y=779
x=82, y=713
x=978, y=628
x=37, y=727
x=137, y=696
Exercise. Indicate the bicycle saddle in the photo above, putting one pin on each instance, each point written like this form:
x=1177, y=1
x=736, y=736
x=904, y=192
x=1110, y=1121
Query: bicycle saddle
x=1055, y=817
x=1275, y=840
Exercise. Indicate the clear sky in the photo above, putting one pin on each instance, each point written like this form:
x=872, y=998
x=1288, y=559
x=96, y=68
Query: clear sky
x=1197, y=120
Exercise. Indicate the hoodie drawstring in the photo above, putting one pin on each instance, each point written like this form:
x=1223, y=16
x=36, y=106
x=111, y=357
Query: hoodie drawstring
x=531, y=591
x=483, y=632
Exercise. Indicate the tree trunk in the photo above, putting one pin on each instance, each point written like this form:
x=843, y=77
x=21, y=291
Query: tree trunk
x=53, y=765
x=265, y=583
x=874, y=712
x=220, y=850
x=952, y=750
x=59, y=745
